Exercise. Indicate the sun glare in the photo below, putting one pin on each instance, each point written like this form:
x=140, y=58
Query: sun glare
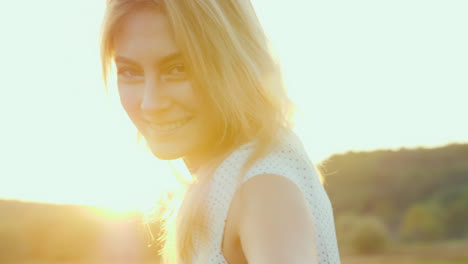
x=359, y=85
x=113, y=213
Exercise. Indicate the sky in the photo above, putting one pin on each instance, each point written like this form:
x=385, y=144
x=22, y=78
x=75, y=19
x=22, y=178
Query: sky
x=365, y=75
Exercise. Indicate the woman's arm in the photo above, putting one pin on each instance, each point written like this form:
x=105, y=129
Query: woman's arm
x=275, y=225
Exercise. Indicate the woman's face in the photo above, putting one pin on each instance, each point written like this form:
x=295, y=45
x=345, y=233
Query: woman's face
x=156, y=92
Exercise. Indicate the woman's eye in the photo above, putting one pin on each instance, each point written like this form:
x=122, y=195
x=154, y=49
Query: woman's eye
x=129, y=73
x=176, y=73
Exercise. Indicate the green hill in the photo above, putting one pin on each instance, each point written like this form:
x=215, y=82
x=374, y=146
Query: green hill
x=405, y=189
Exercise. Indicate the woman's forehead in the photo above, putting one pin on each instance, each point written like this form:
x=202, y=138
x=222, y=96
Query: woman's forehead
x=145, y=35
x=143, y=22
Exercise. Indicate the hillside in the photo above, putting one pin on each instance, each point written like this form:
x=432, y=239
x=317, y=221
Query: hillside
x=399, y=186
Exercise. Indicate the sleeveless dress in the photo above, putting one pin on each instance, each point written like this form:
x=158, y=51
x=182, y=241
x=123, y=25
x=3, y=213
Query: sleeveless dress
x=289, y=160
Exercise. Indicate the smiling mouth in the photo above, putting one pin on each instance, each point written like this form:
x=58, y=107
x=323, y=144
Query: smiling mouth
x=168, y=127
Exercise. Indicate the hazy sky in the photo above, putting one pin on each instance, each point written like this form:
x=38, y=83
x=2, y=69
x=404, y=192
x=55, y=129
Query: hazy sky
x=365, y=75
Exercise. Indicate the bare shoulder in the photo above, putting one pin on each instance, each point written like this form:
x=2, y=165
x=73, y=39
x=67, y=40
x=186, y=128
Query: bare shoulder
x=275, y=223
x=271, y=190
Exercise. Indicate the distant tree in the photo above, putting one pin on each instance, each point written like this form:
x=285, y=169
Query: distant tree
x=369, y=235
x=455, y=215
x=422, y=222
x=345, y=224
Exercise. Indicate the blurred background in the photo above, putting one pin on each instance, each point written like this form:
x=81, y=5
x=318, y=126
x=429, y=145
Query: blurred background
x=382, y=89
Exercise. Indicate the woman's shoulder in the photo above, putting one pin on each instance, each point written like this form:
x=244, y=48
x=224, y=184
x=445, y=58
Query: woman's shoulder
x=288, y=159
x=277, y=190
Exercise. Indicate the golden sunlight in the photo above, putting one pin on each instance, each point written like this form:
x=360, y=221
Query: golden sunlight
x=366, y=75
x=68, y=142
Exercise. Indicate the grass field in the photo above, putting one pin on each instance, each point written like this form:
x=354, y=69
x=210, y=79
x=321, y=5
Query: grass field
x=345, y=260
x=448, y=252
x=451, y=252
x=384, y=260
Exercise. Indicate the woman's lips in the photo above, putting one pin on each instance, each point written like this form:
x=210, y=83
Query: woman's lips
x=169, y=127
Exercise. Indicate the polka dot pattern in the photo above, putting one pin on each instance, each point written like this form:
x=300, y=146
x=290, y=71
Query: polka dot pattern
x=289, y=160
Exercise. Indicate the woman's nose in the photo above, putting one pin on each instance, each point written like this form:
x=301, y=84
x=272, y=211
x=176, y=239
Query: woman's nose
x=154, y=97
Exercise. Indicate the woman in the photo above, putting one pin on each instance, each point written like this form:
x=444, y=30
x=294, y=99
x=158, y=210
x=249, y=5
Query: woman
x=199, y=83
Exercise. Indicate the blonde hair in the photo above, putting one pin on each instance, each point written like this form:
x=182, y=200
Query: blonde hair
x=228, y=56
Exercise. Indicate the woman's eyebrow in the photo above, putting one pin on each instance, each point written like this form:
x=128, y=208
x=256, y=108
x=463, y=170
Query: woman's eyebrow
x=168, y=58
x=121, y=59
x=164, y=60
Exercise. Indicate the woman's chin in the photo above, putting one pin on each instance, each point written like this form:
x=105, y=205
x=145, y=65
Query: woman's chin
x=166, y=151
x=165, y=155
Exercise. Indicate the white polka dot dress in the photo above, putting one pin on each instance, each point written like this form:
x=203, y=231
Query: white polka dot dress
x=289, y=160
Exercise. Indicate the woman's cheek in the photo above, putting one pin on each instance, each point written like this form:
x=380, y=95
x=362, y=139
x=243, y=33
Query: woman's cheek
x=131, y=104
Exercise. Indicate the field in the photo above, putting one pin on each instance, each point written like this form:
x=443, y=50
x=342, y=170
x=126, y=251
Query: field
x=452, y=252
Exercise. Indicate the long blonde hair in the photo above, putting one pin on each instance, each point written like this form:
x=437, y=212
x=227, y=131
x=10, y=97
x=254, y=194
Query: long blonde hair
x=228, y=56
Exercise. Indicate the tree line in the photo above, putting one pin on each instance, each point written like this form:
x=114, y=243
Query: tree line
x=408, y=195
